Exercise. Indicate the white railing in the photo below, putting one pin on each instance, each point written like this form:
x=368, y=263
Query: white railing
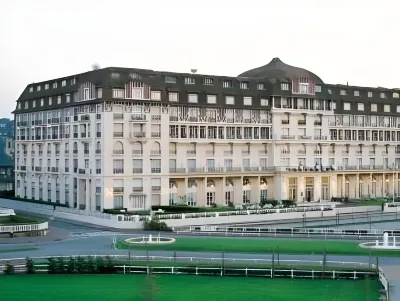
x=245, y=212
x=72, y=211
x=217, y=260
x=384, y=282
x=24, y=228
x=292, y=232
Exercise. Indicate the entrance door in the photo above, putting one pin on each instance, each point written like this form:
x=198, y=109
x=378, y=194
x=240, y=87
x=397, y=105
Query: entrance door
x=309, y=194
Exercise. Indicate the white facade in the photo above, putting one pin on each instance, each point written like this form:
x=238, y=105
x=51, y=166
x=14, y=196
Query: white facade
x=137, y=152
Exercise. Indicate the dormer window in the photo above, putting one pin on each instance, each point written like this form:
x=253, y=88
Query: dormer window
x=227, y=84
x=54, y=85
x=260, y=86
x=318, y=89
x=244, y=85
x=30, y=89
x=46, y=86
x=343, y=92
x=208, y=81
x=170, y=79
x=383, y=95
x=189, y=80
x=396, y=94
x=369, y=94
x=285, y=87
x=38, y=88
x=356, y=93
x=63, y=83
x=73, y=81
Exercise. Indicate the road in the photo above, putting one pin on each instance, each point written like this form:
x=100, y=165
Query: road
x=87, y=240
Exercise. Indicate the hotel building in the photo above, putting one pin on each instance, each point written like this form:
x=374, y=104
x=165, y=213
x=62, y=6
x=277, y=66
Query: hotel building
x=132, y=138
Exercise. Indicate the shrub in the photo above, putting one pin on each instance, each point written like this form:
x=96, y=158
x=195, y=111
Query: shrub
x=288, y=203
x=91, y=265
x=9, y=270
x=155, y=225
x=71, y=265
x=30, y=268
x=264, y=202
x=60, y=266
x=81, y=265
x=52, y=266
x=100, y=265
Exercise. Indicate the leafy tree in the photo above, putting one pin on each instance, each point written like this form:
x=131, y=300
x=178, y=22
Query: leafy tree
x=99, y=264
x=91, y=265
x=9, y=270
x=60, y=265
x=109, y=265
x=30, y=268
x=81, y=265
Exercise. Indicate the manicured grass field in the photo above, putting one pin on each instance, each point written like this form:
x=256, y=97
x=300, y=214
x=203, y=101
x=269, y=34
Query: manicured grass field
x=181, y=288
x=18, y=250
x=251, y=245
x=19, y=220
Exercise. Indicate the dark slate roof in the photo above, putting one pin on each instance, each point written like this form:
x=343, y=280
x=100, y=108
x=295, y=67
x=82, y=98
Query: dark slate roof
x=276, y=69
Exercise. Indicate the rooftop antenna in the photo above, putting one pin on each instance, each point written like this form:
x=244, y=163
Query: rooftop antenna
x=193, y=71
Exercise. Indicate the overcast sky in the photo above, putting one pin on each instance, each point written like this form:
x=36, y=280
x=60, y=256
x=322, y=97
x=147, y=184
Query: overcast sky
x=355, y=41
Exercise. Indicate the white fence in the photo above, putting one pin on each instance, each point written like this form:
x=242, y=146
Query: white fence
x=6, y=212
x=24, y=228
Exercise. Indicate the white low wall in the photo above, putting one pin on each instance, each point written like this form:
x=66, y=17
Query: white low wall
x=95, y=218
x=246, y=218
x=6, y=212
x=132, y=222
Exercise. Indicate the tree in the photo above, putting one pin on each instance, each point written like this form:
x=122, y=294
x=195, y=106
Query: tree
x=95, y=66
x=91, y=265
x=30, y=268
x=81, y=265
x=71, y=265
x=60, y=265
x=52, y=266
x=9, y=270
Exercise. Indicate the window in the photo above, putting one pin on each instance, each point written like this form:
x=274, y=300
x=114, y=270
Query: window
x=343, y=92
x=356, y=93
x=118, y=93
x=212, y=99
x=264, y=102
x=30, y=89
x=398, y=108
x=386, y=108
x=244, y=85
x=46, y=86
x=329, y=91
x=260, y=86
x=19, y=105
x=229, y=100
x=86, y=94
x=208, y=81
x=170, y=79
x=247, y=101
x=67, y=98
x=38, y=88
x=192, y=98
x=382, y=95
x=99, y=92
x=155, y=165
x=346, y=106
x=58, y=99
x=33, y=103
x=227, y=84
x=173, y=96
x=360, y=106
x=63, y=83
x=369, y=94
x=396, y=95
x=50, y=101
x=317, y=88
x=54, y=85
x=73, y=81
x=189, y=80
x=285, y=87
x=155, y=95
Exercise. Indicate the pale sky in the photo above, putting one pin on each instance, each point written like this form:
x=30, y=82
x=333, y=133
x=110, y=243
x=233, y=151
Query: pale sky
x=355, y=41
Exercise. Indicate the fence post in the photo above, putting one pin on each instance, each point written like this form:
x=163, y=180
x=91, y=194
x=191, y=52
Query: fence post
x=124, y=269
x=292, y=274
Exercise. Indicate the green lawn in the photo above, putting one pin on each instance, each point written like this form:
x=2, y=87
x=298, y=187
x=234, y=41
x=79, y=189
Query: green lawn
x=19, y=219
x=18, y=250
x=260, y=245
x=181, y=288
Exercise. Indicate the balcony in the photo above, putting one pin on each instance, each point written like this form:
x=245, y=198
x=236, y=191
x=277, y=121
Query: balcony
x=358, y=153
x=98, y=134
x=118, y=134
x=385, y=153
x=54, y=169
x=66, y=169
x=118, y=190
x=172, y=152
x=83, y=135
x=372, y=153
x=118, y=116
x=285, y=121
x=155, y=153
x=288, y=137
x=345, y=153
x=138, y=118
x=304, y=137
x=137, y=190
x=156, y=189
x=177, y=170
x=81, y=171
x=210, y=153
x=301, y=152
x=137, y=152
x=190, y=153
x=321, y=138
x=76, y=135
x=57, y=152
x=196, y=170
x=215, y=169
x=118, y=152
x=317, y=152
x=301, y=122
x=98, y=151
x=49, y=153
x=318, y=123
x=75, y=151
x=86, y=152
x=245, y=152
x=248, y=168
x=155, y=135
x=137, y=135
x=137, y=170
x=117, y=171
x=228, y=153
x=98, y=171
x=40, y=153
x=156, y=170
